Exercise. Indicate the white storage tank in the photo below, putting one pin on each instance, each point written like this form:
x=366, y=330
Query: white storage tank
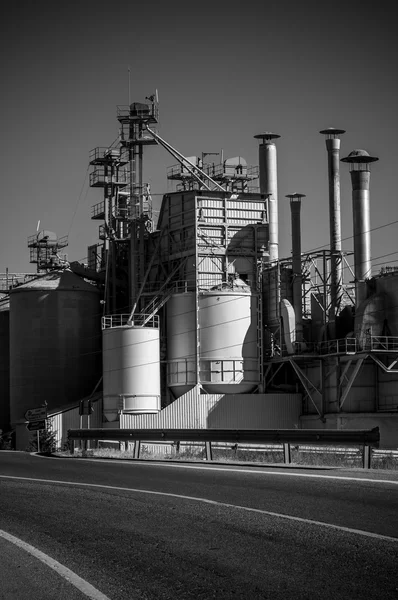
x=215, y=344
x=131, y=367
x=181, y=343
x=228, y=340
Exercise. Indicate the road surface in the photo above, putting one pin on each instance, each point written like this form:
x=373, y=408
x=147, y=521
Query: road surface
x=146, y=530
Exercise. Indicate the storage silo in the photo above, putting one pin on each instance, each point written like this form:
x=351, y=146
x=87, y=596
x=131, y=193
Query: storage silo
x=55, y=344
x=181, y=343
x=131, y=367
x=4, y=364
x=228, y=340
x=214, y=343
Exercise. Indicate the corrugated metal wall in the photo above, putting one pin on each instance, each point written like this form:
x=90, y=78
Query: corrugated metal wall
x=188, y=412
x=255, y=411
x=219, y=411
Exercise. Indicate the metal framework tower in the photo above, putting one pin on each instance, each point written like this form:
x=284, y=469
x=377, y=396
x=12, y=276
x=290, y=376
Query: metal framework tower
x=133, y=121
x=44, y=249
x=126, y=210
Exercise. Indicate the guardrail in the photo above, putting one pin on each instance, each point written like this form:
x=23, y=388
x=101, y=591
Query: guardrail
x=368, y=439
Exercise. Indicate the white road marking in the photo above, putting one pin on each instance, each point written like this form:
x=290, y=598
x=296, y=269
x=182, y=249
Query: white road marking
x=81, y=584
x=212, y=502
x=209, y=467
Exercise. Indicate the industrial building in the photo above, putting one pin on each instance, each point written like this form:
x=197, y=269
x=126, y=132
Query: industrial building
x=193, y=319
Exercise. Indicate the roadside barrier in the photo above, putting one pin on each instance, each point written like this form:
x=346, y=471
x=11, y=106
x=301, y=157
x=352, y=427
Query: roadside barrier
x=368, y=439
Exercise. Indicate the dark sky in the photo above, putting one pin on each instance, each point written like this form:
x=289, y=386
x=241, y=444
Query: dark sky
x=225, y=71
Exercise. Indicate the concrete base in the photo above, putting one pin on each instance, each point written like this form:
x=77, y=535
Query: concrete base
x=387, y=423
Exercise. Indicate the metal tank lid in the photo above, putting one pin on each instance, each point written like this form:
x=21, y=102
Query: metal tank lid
x=359, y=156
x=64, y=280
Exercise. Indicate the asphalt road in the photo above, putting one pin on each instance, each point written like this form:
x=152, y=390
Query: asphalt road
x=143, y=530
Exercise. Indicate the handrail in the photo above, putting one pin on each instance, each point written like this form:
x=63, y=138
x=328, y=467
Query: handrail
x=353, y=437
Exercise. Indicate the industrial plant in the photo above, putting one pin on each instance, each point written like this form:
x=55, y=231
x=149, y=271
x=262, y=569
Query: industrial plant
x=192, y=319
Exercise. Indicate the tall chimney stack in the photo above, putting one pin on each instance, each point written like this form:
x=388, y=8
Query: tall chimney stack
x=359, y=161
x=269, y=187
x=336, y=267
x=295, y=208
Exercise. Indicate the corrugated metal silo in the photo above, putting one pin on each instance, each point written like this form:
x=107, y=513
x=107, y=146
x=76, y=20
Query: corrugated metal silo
x=131, y=367
x=55, y=343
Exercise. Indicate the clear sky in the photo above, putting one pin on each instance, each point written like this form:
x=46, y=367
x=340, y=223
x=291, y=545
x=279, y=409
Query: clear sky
x=225, y=71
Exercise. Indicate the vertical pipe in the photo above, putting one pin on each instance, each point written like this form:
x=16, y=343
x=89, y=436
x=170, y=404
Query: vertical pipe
x=336, y=269
x=269, y=190
x=361, y=224
x=133, y=160
x=141, y=247
x=359, y=161
x=269, y=187
x=295, y=207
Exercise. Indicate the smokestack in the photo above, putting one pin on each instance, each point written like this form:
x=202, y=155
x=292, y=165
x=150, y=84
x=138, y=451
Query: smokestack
x=269, y=187
x=295, y=208
x=336, y=267
x=359, y=161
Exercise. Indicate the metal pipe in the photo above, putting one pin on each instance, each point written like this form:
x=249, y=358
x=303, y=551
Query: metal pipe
x=191, y=168
x=359, y=161
x=269, y=186
x=133, y=223
x=295, y=208
x=336, y=267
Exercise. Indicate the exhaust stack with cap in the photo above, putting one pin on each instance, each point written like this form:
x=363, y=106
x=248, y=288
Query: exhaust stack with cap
x=295, y=208
x=336, y=270
x=359, y=161
x=269, y=187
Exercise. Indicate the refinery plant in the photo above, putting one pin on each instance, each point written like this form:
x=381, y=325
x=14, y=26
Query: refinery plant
x=192, y=319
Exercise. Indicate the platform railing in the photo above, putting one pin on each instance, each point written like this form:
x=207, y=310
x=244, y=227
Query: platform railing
x=120, y=320
x=383, y=343
x=368, y=439
x=340, y=346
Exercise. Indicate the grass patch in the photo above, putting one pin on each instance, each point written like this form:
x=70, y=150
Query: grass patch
x=272, y=454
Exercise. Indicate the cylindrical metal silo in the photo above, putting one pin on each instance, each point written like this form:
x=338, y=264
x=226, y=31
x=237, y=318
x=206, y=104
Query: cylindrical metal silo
x=131, y=367
x=5, y=364
x=228, y=340
x=55, y=344
x=181, y=343
x=214, y=343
